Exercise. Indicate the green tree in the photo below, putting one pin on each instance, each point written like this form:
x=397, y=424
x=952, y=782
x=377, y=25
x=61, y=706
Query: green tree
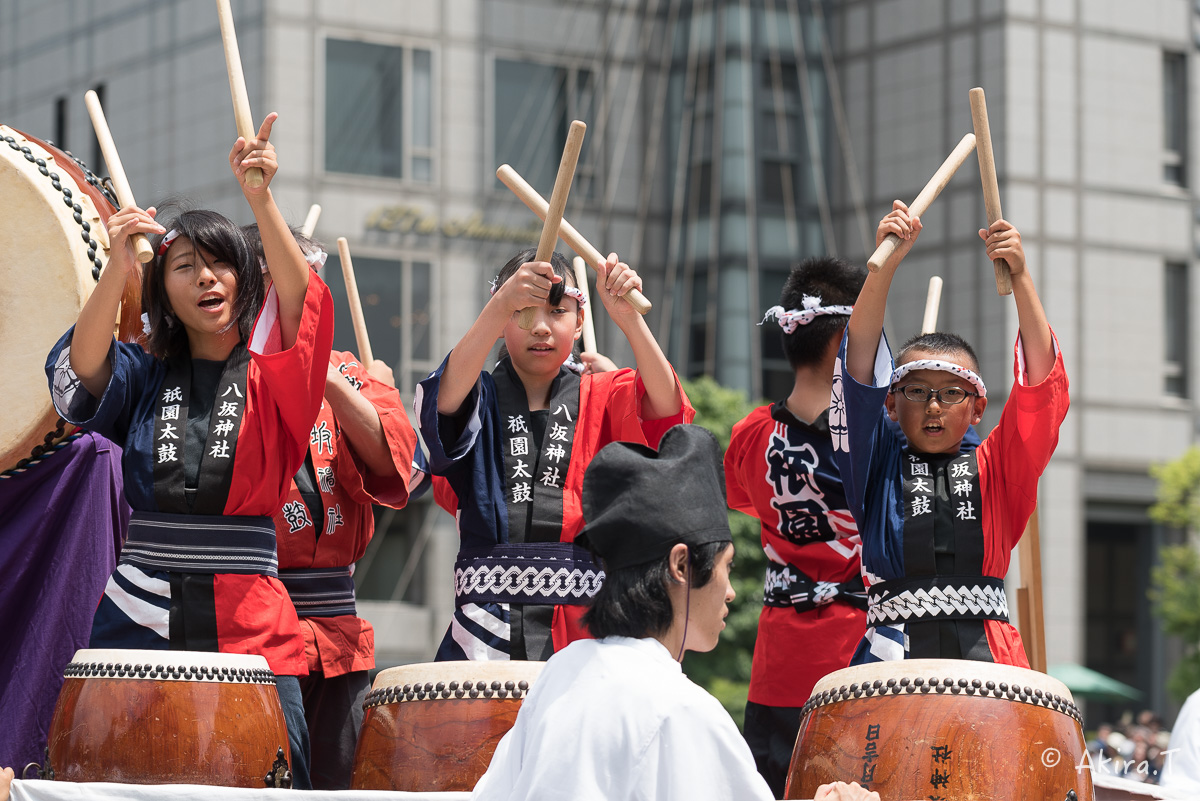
x=1175, y=581
x=725, y=671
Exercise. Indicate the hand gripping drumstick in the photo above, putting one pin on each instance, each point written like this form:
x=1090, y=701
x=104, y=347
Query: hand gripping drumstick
x=310, y=222
x=356, y=312
x=538, y=205
x=116, y=171
x=932, y=189
x=932, y=301
x=558, y=202
x=987, y=175
x=237, y=86
x=589, y=326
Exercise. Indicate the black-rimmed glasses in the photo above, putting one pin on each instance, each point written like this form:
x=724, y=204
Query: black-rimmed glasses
x=946, y=396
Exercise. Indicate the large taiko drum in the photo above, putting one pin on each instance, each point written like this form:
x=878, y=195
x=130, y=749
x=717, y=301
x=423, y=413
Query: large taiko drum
x=168, y=717
x=938, y=728
x=434, y=727
x=53, y=245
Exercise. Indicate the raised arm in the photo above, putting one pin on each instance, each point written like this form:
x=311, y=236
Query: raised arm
x=866, y=322
x=615, y=280
x=289, y=270
x=94, y=331
x=529, y=286
x=1003, y=241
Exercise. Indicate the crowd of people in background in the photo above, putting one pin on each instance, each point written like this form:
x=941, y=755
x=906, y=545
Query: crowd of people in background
x=1135, y=748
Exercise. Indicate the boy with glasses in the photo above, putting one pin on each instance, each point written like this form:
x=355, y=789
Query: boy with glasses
x=938, y=526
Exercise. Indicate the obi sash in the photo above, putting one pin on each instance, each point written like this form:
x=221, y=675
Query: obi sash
x=201, y=544
x=787, y=585
x=320, y=591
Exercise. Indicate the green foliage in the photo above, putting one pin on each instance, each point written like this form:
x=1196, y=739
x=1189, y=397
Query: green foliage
x=1178, y=491
x=1175, y=591
x=725, y=671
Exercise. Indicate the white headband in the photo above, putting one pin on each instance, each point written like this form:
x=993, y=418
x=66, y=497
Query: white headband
x=790, y=318
x=316, y=258
x=938, y=364
x=569, y=291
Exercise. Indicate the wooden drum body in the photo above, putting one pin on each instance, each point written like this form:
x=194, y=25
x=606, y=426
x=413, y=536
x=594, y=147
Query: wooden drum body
x=53, y=245
x=935, y=728
x=168, y=717
x=434, y=727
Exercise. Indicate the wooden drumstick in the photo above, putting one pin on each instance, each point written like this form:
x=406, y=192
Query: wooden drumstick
x=310, y=222
x=932, y=302
x=356, y=312
x=237, y=86
x=589, y=327
x=538, y=205
x=558, y=202
x=987, y=175
x=932, y=189
x=116, y=170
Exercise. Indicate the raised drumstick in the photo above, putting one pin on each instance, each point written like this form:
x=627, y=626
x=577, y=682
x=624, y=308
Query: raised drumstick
x=558, y=202
x=116, y=170
x=932, y=189
x=538, y=205
x=310, y=222
x=589, y=327
x=987, y=175
x=932, y=302
x=237, y=86
x=356, y=312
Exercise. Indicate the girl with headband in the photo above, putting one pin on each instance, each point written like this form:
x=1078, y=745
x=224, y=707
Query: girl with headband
x=510, y=447
x=214, y=421
x=938, y=525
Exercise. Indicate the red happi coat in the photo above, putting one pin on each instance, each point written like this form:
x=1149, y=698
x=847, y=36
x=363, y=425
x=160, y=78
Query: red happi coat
x=343, y=644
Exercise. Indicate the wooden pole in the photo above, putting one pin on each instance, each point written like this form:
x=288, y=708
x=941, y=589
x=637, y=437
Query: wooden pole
x=589, y=326
x=310, y=222
x=558, y=202
x=1032, y=615
x=987, y=176
x=237, y=86
x=116, y=170
x=356, y=312
x=922, y=202
x=538, y=205
x=933, y=301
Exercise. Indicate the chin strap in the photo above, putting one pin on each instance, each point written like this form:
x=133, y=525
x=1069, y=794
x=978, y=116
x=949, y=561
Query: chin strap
x=687, y=606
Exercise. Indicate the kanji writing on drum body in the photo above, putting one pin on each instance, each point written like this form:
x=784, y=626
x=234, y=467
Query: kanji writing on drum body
x=940, y=776
x=870, y=754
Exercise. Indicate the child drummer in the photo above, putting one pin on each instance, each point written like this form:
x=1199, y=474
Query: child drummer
x=938, y=526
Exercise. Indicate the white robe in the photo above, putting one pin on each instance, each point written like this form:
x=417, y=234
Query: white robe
x=1181, y=767
x=616, y=720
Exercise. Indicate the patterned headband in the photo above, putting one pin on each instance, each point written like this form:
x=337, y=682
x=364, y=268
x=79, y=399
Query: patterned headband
x=938, y=364
x=790, y=318
x=168, y=238
x=569, y=291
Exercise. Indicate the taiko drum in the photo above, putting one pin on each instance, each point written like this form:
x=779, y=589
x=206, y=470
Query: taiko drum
x=434, y=727
x=168, y=717
x=935, y=728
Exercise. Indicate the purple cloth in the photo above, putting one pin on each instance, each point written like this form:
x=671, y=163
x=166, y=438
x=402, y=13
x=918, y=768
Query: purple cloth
x=61, y=524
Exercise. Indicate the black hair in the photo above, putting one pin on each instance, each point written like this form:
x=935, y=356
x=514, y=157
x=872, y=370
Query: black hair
x=633, y=601
x=836, y=282
x=306, y=243
x=562, y=268
x=942, y=344
x=225, y=242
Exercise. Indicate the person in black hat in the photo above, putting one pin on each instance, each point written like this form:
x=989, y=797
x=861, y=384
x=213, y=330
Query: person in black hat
x=615, y=717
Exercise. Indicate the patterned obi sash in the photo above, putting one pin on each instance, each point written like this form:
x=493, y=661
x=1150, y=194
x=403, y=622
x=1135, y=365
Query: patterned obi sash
x=526, y=573
x=937, y=597
x=201, y=544
x=320, y=591
x=787, y=585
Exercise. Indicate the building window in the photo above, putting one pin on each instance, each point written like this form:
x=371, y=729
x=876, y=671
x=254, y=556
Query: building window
x=395, y=299
x=534, y=106
x=60, y=123
x=379, y=110
x=1175, y=119
x=1176, y=322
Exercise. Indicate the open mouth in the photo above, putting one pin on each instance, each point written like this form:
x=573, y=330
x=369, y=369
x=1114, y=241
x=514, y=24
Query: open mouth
x=211, y=302
x=541, y=348
x=933, y=428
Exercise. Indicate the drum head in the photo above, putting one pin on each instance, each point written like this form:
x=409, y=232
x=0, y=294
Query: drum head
x=46, y=274
x=434, y=672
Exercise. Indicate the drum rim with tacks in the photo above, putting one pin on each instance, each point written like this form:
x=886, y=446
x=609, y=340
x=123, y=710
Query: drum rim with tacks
x=961, y=727
x=53, y=236
x=168, y=717
x=433, y=726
